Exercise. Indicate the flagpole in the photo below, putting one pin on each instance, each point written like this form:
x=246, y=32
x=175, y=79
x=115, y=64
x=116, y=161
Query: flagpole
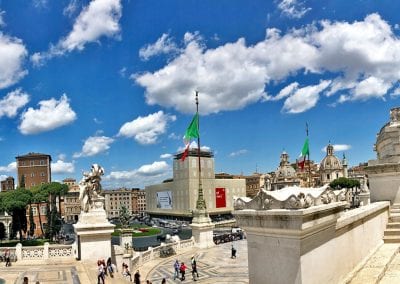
x=201, y=203
x=308, y=155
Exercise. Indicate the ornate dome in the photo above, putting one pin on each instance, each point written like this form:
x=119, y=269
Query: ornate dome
x=285, y=169
x=330, y=162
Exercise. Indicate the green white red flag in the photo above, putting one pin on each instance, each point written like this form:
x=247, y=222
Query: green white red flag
x=191, y=132
x=304, y=152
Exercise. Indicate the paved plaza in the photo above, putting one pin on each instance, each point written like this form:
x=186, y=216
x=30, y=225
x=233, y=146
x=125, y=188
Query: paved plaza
x=214, y=265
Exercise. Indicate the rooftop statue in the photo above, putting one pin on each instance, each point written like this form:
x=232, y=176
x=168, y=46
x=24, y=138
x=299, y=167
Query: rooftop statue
x=90, y=187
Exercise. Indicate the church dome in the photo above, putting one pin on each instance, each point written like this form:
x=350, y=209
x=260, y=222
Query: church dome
x=285, y=169
x=330, y=162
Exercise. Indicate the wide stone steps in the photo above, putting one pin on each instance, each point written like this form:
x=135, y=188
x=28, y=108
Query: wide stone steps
x=392, y=232
x=374, y=269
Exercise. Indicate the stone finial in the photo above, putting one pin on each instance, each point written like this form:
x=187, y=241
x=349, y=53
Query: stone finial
x=395, y=115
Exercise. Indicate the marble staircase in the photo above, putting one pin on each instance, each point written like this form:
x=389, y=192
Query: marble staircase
x=392, y=232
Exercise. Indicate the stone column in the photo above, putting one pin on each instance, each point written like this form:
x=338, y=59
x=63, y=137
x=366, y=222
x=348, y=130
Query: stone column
x=278, y=239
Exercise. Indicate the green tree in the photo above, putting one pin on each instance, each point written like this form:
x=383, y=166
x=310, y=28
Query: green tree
x=39, y=196
x=14, y=202
x=2, y=232
x=31, y=221
x=124, y=216
x=343, y=182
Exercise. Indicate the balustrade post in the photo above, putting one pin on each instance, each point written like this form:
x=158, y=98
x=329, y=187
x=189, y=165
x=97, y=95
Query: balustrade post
x=18, y=251
x=46, y=251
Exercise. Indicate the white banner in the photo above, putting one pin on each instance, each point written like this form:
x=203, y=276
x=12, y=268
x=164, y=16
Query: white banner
x=164, y=200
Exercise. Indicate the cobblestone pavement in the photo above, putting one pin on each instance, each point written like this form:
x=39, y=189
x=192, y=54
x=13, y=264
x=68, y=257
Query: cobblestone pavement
x=43, y=273
x=214, y=265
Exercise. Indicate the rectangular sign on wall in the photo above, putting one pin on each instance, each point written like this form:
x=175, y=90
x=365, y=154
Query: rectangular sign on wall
x=164, y=200
x=220, y=198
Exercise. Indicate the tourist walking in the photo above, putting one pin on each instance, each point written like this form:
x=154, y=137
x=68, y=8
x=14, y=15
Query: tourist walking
x=176, y=268
x=109, y=267
x=7, y=257
x=195, y=274
x=182, y=269
x=100, y=272
x=233, y=252
x=136, y=278
x=125, y=271
x=164, y=281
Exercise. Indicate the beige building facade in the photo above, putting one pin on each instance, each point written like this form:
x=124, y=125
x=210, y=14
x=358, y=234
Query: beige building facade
x=7, y=184
x=177, y=198
x=383, y=172
x=71, y=204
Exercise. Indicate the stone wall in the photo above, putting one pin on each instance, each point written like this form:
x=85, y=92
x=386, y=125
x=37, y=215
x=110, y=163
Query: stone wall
x=320, y=244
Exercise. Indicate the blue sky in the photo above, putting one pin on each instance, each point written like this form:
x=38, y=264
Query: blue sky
x=113, y=82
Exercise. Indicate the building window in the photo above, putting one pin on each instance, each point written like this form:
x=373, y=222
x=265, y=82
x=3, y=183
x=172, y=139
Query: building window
x=32, y=174
x=43, y=210
x=34, y=211
x=42, y=174
x=32, y=163
x=42, y=162
x=32, y=184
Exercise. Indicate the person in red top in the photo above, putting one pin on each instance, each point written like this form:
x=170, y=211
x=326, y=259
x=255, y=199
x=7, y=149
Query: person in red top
x=182, y=269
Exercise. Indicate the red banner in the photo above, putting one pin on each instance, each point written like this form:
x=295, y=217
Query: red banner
x=220, y=198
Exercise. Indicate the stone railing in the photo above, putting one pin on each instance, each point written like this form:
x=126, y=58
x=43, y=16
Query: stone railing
x=44, y=252
x=141, y=258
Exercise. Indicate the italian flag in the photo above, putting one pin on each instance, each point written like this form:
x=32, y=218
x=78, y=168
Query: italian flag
x=191, y=132
x=304, y=152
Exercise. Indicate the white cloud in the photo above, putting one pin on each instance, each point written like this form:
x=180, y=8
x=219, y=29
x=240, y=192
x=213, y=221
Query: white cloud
x=71, y=8
x=61, y=167
x=40, y=4
x=395, y=92
x=234, y=75
x=304, y=98
x=238, y=153
x=3, y=177
x=94, y=145
x=193, y=145
x=175, y=136
x=146, y=130
x=50, y=115
x=100, y=18
x=11, y=167
x=338, y=147
x=285, y=92
x=12, y=57
x=293, y=8
x=144, y=175
x=166, y=156
x=12, y=102
x=164, y=45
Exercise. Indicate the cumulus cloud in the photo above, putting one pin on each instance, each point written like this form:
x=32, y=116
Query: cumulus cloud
x=40, y=4
x=164, y=45
x=50, y=115
x=338, y=147
x=352, y=56
x=3, y=177
x=305, y=98
x=293, y=8
x=12, y=102
x=61, y=167
x=193, y=145
x=94, y=145
x=12, y=56
x=100, y=18
x=11, y=167
x=146, y=174
x=238, y=153
x=166, y=156
x=146, y=130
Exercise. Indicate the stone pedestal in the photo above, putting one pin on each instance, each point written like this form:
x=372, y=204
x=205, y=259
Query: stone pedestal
x=364, y=198
x=125, y=240
x=93, y=233
x=202, y=229
x=279, y=239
